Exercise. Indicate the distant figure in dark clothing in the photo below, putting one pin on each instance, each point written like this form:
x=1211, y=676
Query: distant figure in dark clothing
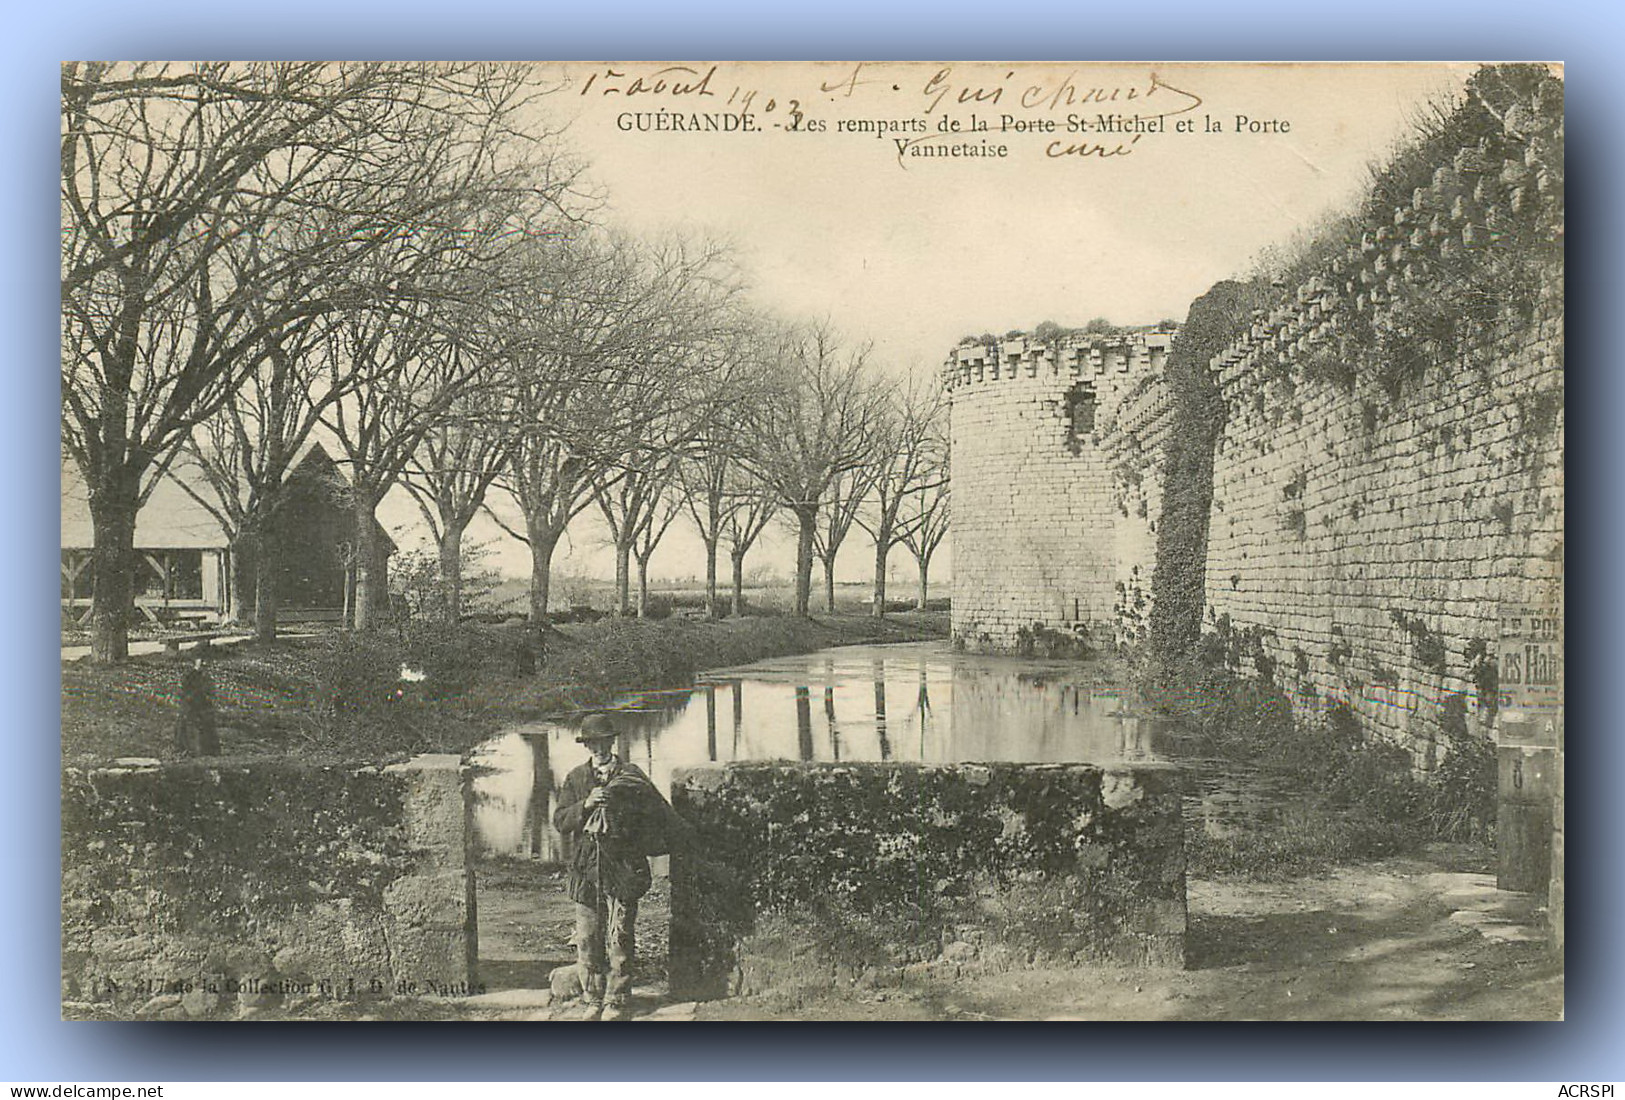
x=195, y=734
x=529, y=650
x=524, y=657
x=610, y=812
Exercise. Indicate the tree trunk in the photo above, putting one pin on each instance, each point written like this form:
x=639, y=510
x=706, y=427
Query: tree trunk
x=241, y=595
x=115, y=488
x=367, y=583
x=711, y=606
x=807, y=521
x=267, y=556
x=623, y=578
x=643, y=587
x=451, y=574
x=738, y=557
x=881, y=549
x=829, y=585
x=112, y=517
x=542, y=541
x=924, y=563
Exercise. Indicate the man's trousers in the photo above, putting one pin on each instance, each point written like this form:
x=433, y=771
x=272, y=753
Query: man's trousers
x=606, y=948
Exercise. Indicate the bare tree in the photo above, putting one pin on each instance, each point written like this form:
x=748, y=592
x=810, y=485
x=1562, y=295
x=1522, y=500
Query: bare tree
x=929, y=512
x=631, y=497
x=244, y=454
x=839, y=509
x=420, y=367
x=910, y=462
x=703, y=477
x=207, y=212
x=246, y=450
x=458, y=459
x=715, y=486
x=816, y=429
x=752, y=507
x=609, y=355
x=665, y=508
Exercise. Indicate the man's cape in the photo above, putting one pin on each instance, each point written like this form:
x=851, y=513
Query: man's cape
x=642, y=818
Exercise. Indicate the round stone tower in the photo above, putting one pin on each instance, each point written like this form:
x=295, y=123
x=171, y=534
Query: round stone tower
x=1057, y=452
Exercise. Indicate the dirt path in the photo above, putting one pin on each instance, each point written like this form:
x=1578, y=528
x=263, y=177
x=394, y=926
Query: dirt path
x=1416, y=939
x=525, y=925
x=1423, y=938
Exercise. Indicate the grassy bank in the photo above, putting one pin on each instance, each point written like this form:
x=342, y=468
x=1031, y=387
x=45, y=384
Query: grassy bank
x=343, y=697
x=1334, y=793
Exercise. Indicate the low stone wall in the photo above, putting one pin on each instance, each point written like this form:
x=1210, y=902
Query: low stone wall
x=822, y=872
x=210, y=889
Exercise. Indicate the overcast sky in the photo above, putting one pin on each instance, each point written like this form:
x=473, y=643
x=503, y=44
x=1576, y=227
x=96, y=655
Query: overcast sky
x=913, y=253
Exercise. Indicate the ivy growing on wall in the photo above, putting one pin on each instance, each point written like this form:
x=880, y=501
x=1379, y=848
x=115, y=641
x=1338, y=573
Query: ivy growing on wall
x=1214, y=321
x=227, y=847
x=1429, y=646
x=1484, y=673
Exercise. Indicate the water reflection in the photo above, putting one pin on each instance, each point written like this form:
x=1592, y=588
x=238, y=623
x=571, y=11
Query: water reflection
x=965, y=708
x=877, y=669
x=710, y=722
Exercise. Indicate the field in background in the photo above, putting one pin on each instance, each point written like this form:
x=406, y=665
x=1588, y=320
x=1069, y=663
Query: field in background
x=511, y=596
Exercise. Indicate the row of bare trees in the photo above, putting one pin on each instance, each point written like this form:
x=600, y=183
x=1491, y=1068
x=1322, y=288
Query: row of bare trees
x=810, y=433
x=840, y=443
x=395, y=259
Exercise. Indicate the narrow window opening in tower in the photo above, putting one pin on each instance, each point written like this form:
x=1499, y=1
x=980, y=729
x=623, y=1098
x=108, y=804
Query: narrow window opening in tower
x=1080, y=416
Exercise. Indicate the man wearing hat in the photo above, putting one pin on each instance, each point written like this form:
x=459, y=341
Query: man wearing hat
x=604, y=809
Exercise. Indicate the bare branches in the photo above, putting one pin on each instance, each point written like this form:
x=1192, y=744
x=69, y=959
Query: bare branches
x=392, y=259
x=216, y=218
x=819, y=427
x=618, y=353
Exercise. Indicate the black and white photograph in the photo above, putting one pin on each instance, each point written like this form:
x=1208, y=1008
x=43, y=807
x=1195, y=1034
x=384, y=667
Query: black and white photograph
x=812, y=541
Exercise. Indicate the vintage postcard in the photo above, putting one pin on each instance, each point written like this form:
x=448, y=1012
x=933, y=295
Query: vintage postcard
x=878, y=541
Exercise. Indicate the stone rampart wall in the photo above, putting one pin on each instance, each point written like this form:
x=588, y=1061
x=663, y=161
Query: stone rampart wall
x=213, y=889
x=818, y=873
x=1054, y=521
x=1391, y=463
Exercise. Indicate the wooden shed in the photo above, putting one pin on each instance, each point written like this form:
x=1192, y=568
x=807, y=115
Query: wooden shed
x=188, y=569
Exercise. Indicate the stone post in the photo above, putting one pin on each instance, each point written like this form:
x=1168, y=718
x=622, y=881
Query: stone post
x=1554, y=894
x=430, y=912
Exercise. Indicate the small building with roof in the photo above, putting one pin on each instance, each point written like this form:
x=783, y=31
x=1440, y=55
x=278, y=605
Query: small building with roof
x=187, y=567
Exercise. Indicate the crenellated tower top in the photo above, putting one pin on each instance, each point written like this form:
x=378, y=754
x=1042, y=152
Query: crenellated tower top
x=1075, y=356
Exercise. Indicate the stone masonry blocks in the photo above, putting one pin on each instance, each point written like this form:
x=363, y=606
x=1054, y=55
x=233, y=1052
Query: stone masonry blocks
x=1055, y=525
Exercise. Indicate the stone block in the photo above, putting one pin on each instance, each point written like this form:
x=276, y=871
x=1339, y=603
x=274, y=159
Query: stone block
x=321, y=882
x=435, y=807
x=564, y=982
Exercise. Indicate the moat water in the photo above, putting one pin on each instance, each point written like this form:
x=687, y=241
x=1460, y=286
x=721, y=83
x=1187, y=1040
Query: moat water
x=917, y=702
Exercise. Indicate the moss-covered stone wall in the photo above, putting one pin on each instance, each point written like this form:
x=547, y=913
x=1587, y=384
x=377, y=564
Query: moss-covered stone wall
x=211, y=889
x=831, y=869
x=1390, y=467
